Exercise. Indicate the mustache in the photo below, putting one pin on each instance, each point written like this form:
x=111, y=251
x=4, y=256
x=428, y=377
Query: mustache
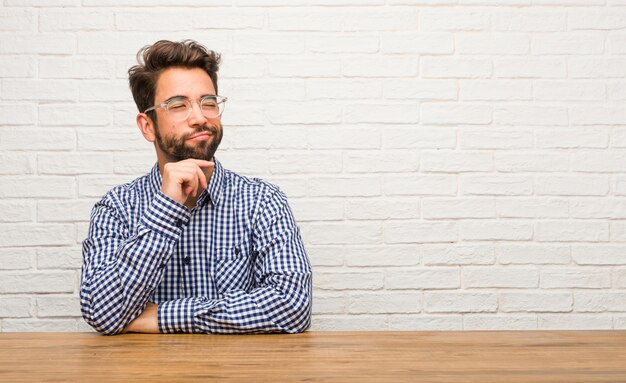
x=204, y=128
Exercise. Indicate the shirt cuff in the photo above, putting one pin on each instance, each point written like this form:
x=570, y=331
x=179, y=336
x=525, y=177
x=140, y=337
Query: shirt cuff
x=166, y=216
x=177, y=315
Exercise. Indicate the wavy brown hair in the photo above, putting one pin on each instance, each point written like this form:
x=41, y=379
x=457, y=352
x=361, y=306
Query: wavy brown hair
x=154, y=59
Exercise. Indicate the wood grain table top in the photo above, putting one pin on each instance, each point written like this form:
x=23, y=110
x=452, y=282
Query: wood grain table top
x=429, y=356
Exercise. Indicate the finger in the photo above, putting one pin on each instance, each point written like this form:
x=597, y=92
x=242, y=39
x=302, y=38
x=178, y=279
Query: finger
x=202, y=163
x=201, y=178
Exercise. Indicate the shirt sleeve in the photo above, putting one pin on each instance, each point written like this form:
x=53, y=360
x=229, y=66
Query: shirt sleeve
x=121, y=269
x=281, y=299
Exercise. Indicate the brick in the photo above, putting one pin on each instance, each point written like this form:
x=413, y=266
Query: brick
x=59, y=257
x=74, y=115
x=326, y=255
x=531, y=161
x=306, y=19
x=436, y=278
x=380, y=162
x=449, y=19
x=535, y=207
x=317, y=209
x=19, y=19
x=382, y=19
x=353, y=89
x=348, y=322
x=292, y=137
x=37, y=187
x=496, y=139
x=617, y=231
x=617, y=44
x=317, y=68
x=76, y=67
x=455, y=161
x=478, y=43
x=16, y=66
x=567, y=43
x=236, y=67
x=37, y=282
x=473, y=322
x=17, y=258
x=387, y=255
x=419, y=232
x=388, y=66
x=422, y=43
x=58, y=306
x=597, y=67
x=533, y=254
x=35, y=43
x=345, y=233
x=600, y=301
x=450, y=208
x=619, y=277
x=572, y=231
x=16, y=163
x=67, y=19
x=381, y=113
x=419, y=89
x=448, y=113
x=305, y=162
x=74, y=163
x=507, y=277
x=249, y=163
x=108, y=140
x=348, y=281
x=599, y=254
x=418, y=322
x=413, y=138
x=249, y=113
x=574, y=322
x=136, y=164
x=530, y=115
x=370, y=208
x=17, y=114
x=343, y=186
x=298, y=113
x=384, y=303
x=39, y=90
x=477, y=90
x=527, y=67
x=459, y=302
x=446, y=67
x=620, y=186
x=596, y=19
x=569, y=90
x=598, y=161
x=248, y=90
x=268, y=43
x=419, y=185
x=151, y=3
x=35, y=235
x=500, y=230
x=335, y=137
x=572, y=138
x=342, y=43
x=15, y=307
x=522, y=20
x=112, y=42
x=496, y=185
x=583, y=278
x=615, y=90
x=17, y=211
x=64, y=211
x=457, y=254
x=237, y=19
x=329, y=304
x=572, y=185
x=109, y=90
x=42, y=3
x=39, y=325
x=536, y=302
x=614, y=208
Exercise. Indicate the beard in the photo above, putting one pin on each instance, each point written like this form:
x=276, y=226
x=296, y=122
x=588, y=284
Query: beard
x=177, y=149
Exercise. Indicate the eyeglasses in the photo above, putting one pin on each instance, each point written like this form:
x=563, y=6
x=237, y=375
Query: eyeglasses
x=180, y=108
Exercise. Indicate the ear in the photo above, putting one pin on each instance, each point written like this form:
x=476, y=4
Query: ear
x=146, y=126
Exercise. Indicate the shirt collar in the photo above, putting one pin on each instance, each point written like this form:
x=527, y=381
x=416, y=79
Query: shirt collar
x=214, y=189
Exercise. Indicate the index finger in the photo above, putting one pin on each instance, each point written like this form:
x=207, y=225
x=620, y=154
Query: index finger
x=202, y=163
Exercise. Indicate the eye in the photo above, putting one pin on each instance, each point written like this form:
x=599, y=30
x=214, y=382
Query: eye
x=209, y=103
x=176, y=105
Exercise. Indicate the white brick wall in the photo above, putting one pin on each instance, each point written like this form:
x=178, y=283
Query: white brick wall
x=453, y=164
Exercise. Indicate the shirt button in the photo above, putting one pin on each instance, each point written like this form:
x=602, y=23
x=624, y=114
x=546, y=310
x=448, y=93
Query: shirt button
x=187, y=260
x=179, y=222
x=237, y=251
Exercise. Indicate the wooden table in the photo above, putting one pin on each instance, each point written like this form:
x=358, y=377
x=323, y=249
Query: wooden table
x=520, y=356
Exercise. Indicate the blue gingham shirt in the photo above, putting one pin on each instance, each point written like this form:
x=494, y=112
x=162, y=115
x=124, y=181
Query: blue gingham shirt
x=235, y=263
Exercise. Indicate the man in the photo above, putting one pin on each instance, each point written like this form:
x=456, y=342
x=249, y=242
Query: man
x=191, y=247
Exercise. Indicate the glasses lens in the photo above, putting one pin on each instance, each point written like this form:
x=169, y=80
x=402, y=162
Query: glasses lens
x=211, y=106
x=178, y=109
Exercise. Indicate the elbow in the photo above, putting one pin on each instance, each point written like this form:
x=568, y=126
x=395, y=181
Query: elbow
x=300, y=318
x=102, y=318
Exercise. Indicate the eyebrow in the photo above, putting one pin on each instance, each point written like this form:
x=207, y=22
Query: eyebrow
x=185, y=97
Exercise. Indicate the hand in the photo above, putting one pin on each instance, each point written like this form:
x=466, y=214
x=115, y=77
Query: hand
x=147, y=322
x=184, y=178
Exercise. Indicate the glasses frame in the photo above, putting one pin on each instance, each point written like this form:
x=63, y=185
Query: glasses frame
x=219, y=99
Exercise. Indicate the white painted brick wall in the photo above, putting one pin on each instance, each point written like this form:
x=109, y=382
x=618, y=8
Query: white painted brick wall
x=453, y=164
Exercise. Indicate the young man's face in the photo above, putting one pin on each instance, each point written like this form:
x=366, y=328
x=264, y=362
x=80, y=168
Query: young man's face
x=195, y=137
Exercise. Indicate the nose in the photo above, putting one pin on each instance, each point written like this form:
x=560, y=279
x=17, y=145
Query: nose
x=196, y=117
